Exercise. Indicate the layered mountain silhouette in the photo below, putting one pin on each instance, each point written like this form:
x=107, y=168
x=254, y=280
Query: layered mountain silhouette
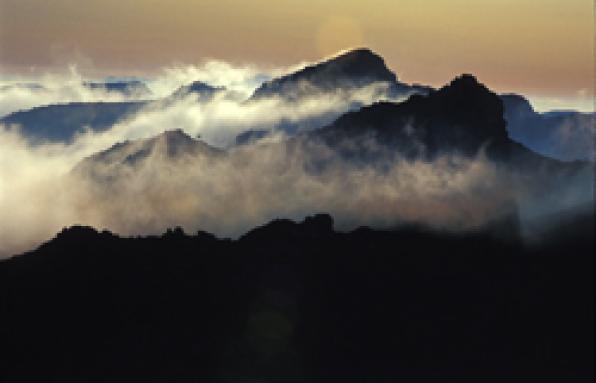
x=563, y=135
x=463, y=116
x=299, y=302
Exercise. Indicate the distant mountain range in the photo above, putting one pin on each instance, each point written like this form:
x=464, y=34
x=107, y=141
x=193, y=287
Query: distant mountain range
x=60, y=123
x=565, y=136
x=462, y=118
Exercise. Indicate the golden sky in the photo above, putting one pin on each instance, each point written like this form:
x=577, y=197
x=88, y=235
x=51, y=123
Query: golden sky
x=540, y=47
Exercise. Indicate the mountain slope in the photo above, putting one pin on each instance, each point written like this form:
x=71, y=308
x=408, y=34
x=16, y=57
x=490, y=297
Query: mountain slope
x=172, y=147
x=354, y=69
x=564, y=135
x=462, y=117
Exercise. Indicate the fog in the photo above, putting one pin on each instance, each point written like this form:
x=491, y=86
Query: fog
x=247, y=185
x=40, y=195
x=229, y=195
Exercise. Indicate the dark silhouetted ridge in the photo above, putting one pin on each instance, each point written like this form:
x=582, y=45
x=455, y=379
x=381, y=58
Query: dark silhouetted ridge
x=298, y=302
x=284, y=230
x=462, y=117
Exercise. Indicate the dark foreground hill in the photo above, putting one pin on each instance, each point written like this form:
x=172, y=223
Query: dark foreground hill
x=293, y=302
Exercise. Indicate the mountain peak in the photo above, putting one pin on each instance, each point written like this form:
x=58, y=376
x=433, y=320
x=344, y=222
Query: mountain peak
x=362, y=61
x=465, y=79
x=174, y=135
x=466, y=85
x=167, y=147
x=462, y=116
x=355, y=68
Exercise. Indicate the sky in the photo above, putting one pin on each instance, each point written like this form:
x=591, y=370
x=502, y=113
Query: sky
x=541, y=48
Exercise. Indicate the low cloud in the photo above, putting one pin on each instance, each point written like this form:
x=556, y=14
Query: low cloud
x=249, y=184
x=246, y=187
x=24, y=93
x=40, y=194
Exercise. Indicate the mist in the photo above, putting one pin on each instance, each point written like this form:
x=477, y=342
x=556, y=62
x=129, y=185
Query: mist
x=246, y=185
x=67, y=86
x=229, y=195
x=41, y=195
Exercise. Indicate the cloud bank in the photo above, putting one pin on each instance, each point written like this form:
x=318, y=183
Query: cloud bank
x=246, y=186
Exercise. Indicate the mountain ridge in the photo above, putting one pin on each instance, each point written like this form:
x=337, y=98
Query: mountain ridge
x=292, y=300
x=353, y=69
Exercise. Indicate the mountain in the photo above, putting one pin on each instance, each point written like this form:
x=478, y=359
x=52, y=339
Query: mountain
x=354, y=69
x=564, y=135
x=451, y=131
x=131, y=88
x=462, y=117
x=169, y=147
x=59, y=123
x=298, y=302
